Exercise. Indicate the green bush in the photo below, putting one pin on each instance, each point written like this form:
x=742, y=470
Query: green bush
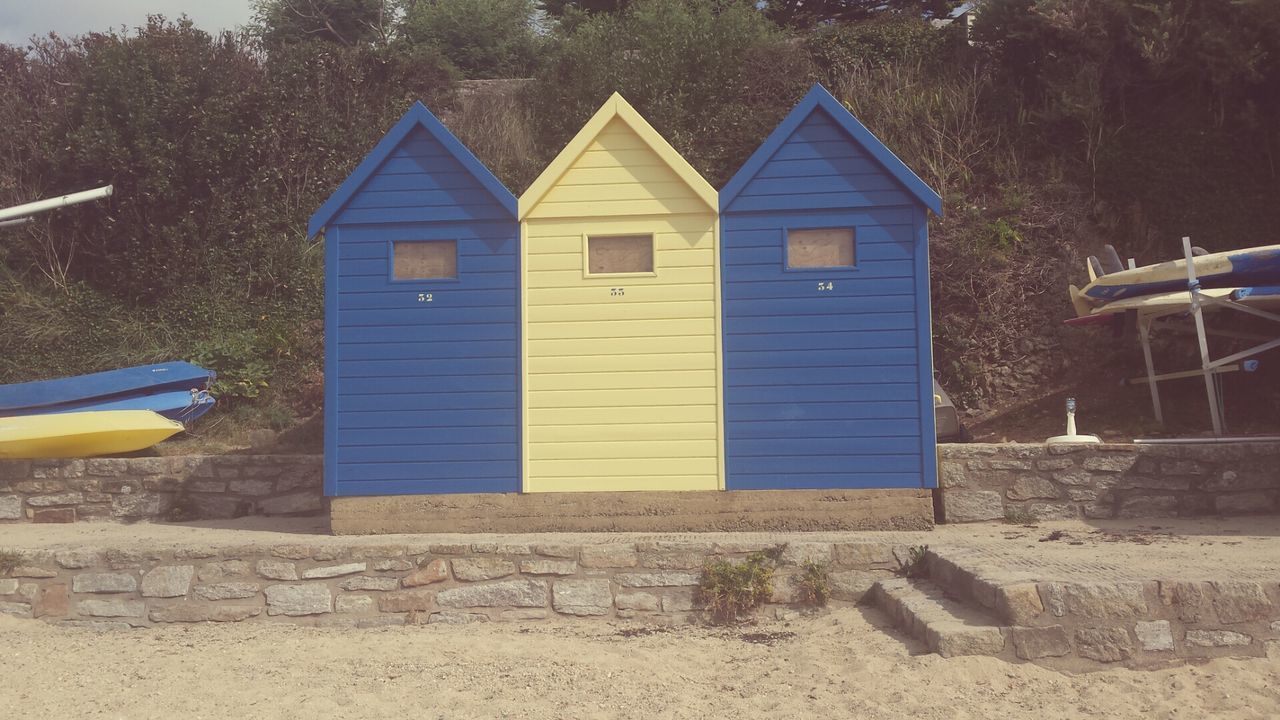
x=814, y=583
x=730, y=589
x=482, y=38
x=838, y=48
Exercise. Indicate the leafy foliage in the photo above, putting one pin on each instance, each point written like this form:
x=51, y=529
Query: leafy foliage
x=482, y=38
x=814, y=583
x=345, y=22
x=713, y=78
x=809, y=13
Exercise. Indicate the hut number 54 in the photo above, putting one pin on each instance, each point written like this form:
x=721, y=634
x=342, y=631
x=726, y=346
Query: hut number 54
x=826, y=286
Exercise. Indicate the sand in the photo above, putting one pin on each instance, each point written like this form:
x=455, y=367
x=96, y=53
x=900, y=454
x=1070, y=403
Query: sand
x=846, y=664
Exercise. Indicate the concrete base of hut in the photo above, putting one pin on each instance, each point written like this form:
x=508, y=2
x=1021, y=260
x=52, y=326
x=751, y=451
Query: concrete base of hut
x=738, y=511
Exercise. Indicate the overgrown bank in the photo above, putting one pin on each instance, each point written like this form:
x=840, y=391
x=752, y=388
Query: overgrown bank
x=1067, y=124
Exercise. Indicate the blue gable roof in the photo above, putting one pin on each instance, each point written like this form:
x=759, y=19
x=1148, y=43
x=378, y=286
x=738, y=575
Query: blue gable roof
x=418, y=116
x=819, y=98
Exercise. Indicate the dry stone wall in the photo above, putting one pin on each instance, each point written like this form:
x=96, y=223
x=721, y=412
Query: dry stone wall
x=980, y=482
x=160, y=488
x=396, y=584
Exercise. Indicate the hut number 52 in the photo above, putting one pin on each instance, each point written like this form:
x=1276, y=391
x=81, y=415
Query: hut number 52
x=826, y=286
x=424, y=297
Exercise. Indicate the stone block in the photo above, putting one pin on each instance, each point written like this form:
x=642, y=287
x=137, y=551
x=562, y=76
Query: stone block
x=1053, y=511
x=1217, y=638
x=959, y=506
x=954, y=639
x=657, y=579
x=1031, y=488
x=112, y=608
x=54, y=601
x=392, y=565
x=1074, y=476
x=67, y=498
x=456, y=618
x=199, y=612
x=671, y=561
x=10, y=507
x=1109, y=463
x=227, y=591
x=295, y=600
x=548, y=567
x=433, y=572
x=952, y=474
x=523, y=614
x=368, y=583
x=254, y=488
x=76, y=559
x=207, y=486
x=798, y=553
x=679, y=601
x=1191, y=601
x=477, y=569
x=332, y=571
x=449, y=549
x=1237, y=602
x=850, y=585
x=1243, y=503
x=29, y=571
x=1154, y=636
x=167, y=581
x=1052, y=464
x=1031, y=643
x=1148, y=506
x=407, y=601
x=223, y=569
x=135, y=506
x=16, y=609
x=15, y=469
x=277, y=570
x=582, y=597
x=1182, y=467
x=353, y=604
x=511, y=593
x=8, y=587
x=861, y=555
x=39, y=487
x=569, y=552
x=1094, y=600
x=637, y=601
x=1019, y=604
x=609, y=556
x=104, y=583
x=1106, y=645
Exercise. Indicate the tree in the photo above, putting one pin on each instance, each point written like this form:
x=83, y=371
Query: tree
x=346, y=22
x=482, y=38
x=560, y=8
x=807, y=13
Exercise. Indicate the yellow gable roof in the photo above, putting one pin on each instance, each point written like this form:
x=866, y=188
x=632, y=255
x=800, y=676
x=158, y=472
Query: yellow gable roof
x=615, y=108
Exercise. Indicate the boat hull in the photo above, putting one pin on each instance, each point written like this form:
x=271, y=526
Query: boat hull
x=180, y=405
x=83, y=434
x=1236, y=268
x=99, y=386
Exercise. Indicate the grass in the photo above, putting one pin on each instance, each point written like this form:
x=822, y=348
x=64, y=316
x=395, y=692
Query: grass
x=730, y=590
x=814, y=583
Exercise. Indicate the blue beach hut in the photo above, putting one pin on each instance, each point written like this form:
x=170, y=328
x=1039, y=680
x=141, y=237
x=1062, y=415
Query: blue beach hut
x=422, y=278
x=825, y=279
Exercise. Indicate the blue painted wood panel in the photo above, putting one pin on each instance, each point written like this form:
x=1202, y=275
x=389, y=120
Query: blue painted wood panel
x=824, y=367
x=422, y=376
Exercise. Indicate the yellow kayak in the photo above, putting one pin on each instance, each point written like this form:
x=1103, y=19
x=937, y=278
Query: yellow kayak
x=83, y=434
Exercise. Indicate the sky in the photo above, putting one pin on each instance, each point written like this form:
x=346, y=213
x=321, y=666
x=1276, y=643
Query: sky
x=20, y=19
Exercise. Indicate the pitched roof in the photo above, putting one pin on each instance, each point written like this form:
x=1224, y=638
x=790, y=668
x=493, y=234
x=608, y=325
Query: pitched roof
x=619, y=108
x=819, y=98
x=417, y=116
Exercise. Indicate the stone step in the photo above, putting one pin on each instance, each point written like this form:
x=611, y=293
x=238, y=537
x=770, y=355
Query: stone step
x=948, y=627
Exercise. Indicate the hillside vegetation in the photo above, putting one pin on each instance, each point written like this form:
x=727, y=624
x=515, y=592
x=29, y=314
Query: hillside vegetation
x=1057, y=126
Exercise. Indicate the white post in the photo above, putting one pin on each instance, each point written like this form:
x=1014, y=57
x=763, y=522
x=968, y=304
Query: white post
x=1144, y=332
x=1193, y=288
x=40, y=206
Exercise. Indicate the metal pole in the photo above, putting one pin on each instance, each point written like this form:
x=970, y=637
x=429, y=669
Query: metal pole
x=1144, y=331
x=11, y=223
x=1193, y=288
x=40, y=206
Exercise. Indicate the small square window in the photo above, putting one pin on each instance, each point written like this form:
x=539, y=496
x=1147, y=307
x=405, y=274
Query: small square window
x=619, y=254
x=822, y=248
x=426, y=260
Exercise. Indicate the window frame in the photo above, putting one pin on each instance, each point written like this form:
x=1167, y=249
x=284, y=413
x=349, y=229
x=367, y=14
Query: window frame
x=786, y=249
x=391, y=261
x=586, y=254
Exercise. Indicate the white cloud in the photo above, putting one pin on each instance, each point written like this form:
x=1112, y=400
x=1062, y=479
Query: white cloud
x=20, y=19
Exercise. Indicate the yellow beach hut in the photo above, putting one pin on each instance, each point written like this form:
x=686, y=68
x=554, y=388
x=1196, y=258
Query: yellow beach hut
x=620, y=341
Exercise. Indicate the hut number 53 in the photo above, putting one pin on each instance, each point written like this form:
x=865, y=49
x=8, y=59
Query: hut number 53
x=826, y=286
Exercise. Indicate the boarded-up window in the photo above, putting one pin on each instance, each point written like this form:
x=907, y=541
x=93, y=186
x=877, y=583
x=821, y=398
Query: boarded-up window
x=426, y=259
x=823, y=248
x=620, y=254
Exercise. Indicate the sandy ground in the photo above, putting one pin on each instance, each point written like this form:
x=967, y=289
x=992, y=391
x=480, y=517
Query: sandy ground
x=846, y=664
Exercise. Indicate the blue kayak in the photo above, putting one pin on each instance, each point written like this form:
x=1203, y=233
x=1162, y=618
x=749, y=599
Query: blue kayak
x=41, y=395
x=181, y=405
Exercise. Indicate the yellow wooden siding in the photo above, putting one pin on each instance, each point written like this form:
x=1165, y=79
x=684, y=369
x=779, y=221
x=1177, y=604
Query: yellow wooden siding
x=621, y=389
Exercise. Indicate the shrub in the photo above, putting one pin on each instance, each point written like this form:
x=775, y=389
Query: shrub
x=730, y=589
x=814, y=583
x=482, y=38
x=838, y=48
x=917, y=562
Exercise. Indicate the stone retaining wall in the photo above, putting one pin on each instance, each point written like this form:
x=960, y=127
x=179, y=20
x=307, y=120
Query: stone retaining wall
x=160, y=488
x=980, y=482
x=370, y=585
